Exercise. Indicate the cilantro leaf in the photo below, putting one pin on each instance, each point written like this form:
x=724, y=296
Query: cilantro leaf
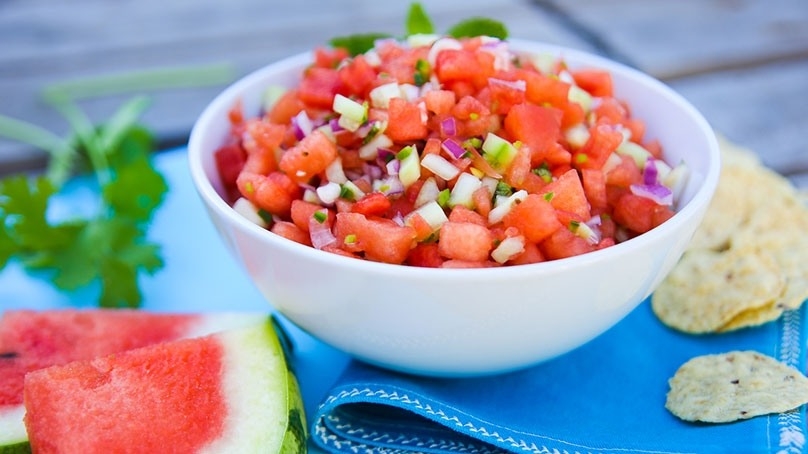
x=109, y=247
x=23, y=214
x=479, y=26
x=136, y=191
x=358, y=43
x=112, y=250
x=418, y=21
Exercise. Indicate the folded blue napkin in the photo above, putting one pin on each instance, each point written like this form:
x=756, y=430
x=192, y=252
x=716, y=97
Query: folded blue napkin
x=608, y=396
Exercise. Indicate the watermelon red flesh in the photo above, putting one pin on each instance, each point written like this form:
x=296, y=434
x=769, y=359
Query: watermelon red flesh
x=135, y=396
x=31, y=340
x=219, y=393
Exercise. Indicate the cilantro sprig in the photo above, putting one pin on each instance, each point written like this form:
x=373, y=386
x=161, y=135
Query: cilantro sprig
x=419, y=22
x=111, y=245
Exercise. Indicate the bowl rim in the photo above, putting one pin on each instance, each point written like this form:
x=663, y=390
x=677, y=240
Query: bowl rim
x=698, y=202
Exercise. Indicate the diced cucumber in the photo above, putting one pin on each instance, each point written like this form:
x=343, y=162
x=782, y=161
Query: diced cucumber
x=352, y=113
x=380, y=96
x=505, y=205
x=498, y=151
x=432, y=213
x=463, y=190
x=410, y=170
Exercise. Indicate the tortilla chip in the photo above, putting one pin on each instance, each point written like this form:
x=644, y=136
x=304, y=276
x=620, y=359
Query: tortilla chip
x=754, y=209
x=733, y=386
x=708, y=289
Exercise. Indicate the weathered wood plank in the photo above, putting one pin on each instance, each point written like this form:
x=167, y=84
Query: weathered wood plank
x=761, y=108
x=679, y=38
x=41, y=47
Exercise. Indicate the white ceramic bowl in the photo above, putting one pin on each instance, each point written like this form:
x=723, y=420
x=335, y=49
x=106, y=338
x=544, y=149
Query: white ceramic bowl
x=449, y=322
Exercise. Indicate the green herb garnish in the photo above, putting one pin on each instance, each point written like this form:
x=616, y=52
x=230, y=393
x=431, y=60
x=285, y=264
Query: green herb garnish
x=443, y=197
x=404, y=153
x=422, y=70
x=320, y=216
x=543, y=171
x=110, y=246
x=479, y=26
x=358, y=43
x=503, y=189
x=346, y=193
x=419, y=22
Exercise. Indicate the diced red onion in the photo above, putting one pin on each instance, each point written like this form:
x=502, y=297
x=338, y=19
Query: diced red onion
x=656, y=192
x=453, y=148
x=386, y=154
x=372, y=171
x=352, y=174
x=393, y=167
x=321, y=235
x=364, y=130
x=650, y=174
x=335, y=126
x=594, y=221
x=302, y=125
x=398, y=219
x=448, y=126
x=493, y=43
x=518, y=85
x=389, y=186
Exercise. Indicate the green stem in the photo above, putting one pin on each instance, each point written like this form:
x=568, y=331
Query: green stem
x=30, y=134
x=141, y=81
x=87, y=135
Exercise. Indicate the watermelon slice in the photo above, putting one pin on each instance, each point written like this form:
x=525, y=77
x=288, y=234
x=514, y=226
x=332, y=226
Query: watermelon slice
x=31, y=340
x=225, y=392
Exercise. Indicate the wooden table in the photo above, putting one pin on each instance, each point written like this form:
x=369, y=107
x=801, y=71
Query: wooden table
x=743, y=63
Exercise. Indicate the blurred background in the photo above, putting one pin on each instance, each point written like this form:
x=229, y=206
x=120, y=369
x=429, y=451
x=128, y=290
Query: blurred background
x=743, y=63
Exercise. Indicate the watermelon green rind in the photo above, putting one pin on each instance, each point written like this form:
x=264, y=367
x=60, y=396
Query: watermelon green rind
x=16, y=448
x=295, y=439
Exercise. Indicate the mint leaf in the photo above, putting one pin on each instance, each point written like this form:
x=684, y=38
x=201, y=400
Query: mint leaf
x=358, y=43
x=418, y=21
x=479, y=26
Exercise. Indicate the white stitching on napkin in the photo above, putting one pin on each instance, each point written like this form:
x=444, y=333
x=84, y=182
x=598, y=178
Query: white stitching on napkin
x=331, y=439
x=413, y=443
x=792, y=437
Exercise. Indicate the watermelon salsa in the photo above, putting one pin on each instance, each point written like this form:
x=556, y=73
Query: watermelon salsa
x=443, y=152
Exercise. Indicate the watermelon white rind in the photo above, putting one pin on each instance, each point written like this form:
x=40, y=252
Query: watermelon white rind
x=262, y=393
x=226, y=392
x=13, y=439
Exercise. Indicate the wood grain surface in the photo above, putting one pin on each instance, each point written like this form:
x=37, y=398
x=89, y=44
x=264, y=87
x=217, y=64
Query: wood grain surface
x=743, y=63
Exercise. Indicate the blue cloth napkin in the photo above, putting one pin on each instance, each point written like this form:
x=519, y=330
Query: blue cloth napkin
x=607, y=396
